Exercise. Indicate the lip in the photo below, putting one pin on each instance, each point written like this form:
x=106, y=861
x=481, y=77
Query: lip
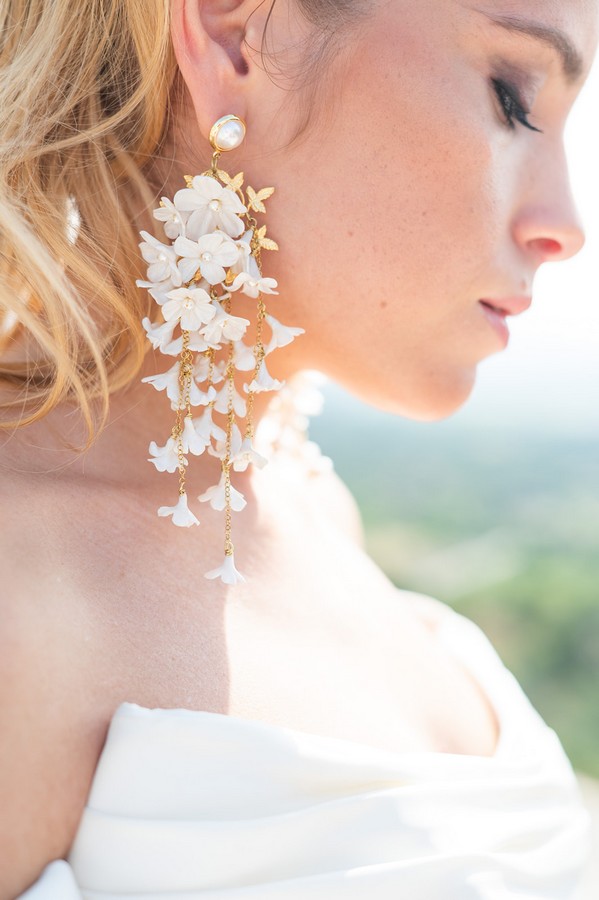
x=510, y=306
x=496, y=318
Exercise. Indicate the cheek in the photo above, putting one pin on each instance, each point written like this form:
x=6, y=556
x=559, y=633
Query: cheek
x=397, y=210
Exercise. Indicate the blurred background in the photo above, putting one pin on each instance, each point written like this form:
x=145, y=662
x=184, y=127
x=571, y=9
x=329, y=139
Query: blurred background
x=495, y=510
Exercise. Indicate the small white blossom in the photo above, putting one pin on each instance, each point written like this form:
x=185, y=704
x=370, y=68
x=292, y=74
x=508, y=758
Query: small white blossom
x=221, y=446
x=211, y=253
x=264, y=381
x=253, y=285
x=196, y=396
x=158, y=333
x=281, y=334
x=246, y=455
x=246, y=261
x=241, y=452
x=225, y=326
x=162, y=259
x=168, y=380
x=221, y=404
x=181, y=513
x=171, y=217
x=201, y=369
x=206, y=428
x=191, y=440
x=196, y=342
x=243, y=356
x=158, y=290
x=165, y=458
x=211, y=206
x=216, y=496
x=191, y=306
x=227, y=571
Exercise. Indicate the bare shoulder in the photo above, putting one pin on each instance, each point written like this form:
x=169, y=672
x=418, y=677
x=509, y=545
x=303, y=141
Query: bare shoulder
x=48, y=747
x=338, y=502
x=429, y=609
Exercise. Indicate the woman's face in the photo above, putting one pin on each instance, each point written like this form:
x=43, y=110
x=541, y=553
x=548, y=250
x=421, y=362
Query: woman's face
x=415, y=198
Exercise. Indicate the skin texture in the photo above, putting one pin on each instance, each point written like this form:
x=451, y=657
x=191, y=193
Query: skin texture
x=405, y=202
x=407, y=199
x=413, y=199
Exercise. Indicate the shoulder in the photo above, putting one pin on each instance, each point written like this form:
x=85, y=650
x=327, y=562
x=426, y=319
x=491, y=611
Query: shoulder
x=337, y=503
x=47, y=747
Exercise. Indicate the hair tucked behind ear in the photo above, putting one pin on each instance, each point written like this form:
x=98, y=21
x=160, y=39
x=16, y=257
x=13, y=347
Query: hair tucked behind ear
x=85, y=92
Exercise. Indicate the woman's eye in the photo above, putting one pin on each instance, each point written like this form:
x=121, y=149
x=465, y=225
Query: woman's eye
x=512, y=105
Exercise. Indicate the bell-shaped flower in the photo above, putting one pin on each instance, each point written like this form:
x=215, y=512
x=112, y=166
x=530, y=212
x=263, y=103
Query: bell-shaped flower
x=196, y=342
x=246, y=455
x=181, y=513
x=241, y=452
x=227, y=571
x=281, y=334
x=191, y=440
x=208, y=429
x=166, y=458
x=246, y=261
x=225, y=326
x=201, y=369
x=221, y=404
x=173, y=220
x=263, y=381
x=210, y=206
x=161, y=257
x=211, y=253
x=196, y=397
x=192, y=307
x=168, y=381
x=243, y=357
x=201, y=398
x=215, y=495
x=158, y=290
x=252, y=285
x=158, y=333
x=221, y=446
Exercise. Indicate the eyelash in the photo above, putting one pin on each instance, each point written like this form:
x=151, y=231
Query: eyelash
x=512, y=105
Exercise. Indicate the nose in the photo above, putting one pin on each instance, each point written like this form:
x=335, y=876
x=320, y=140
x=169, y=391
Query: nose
x=547, y=224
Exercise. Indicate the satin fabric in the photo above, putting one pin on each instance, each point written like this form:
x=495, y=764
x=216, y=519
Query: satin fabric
x=193, y=804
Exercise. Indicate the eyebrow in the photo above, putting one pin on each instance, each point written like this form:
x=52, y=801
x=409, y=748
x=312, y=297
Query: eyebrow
x=572, y=62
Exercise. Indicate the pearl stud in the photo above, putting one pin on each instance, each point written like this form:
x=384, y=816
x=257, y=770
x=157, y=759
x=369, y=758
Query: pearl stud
x=227, y=133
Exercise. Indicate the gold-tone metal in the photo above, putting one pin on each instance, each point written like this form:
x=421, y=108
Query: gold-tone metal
x=258, y=242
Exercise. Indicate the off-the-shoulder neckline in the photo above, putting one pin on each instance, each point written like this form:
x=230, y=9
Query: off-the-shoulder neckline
x=446, y=634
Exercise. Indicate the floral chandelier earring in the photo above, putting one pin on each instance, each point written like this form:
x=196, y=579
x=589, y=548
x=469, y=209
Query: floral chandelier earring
x=214, y=251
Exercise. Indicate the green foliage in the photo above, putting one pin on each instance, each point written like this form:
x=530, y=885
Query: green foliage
x=503, y=526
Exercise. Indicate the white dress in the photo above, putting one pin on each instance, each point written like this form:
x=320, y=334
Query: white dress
x=187, y=804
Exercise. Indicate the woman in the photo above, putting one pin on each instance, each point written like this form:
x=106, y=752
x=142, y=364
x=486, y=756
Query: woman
x=311, y=730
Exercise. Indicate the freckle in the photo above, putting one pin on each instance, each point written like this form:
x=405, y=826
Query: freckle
x=383, y=304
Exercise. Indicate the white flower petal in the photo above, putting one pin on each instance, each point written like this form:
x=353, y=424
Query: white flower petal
x=181, y=513
x=227, y=571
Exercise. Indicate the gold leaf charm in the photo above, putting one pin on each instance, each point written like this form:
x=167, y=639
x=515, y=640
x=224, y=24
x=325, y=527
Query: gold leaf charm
x=233, y=183
x=255, y=201
x=265, y=242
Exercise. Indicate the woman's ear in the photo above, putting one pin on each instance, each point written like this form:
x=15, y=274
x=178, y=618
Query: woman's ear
x=208, y=39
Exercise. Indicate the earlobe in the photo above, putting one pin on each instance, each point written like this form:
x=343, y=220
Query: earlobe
x=208, y=41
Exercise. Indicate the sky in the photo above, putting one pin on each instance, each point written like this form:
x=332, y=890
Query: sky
x=547, y=378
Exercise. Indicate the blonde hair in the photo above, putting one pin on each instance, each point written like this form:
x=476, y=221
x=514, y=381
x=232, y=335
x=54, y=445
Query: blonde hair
x=85, y=100
x=85, y=94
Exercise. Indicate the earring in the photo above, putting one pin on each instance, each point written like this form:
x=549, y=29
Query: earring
x=214, y=251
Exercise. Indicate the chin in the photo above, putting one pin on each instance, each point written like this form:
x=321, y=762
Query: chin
x=427, y=400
